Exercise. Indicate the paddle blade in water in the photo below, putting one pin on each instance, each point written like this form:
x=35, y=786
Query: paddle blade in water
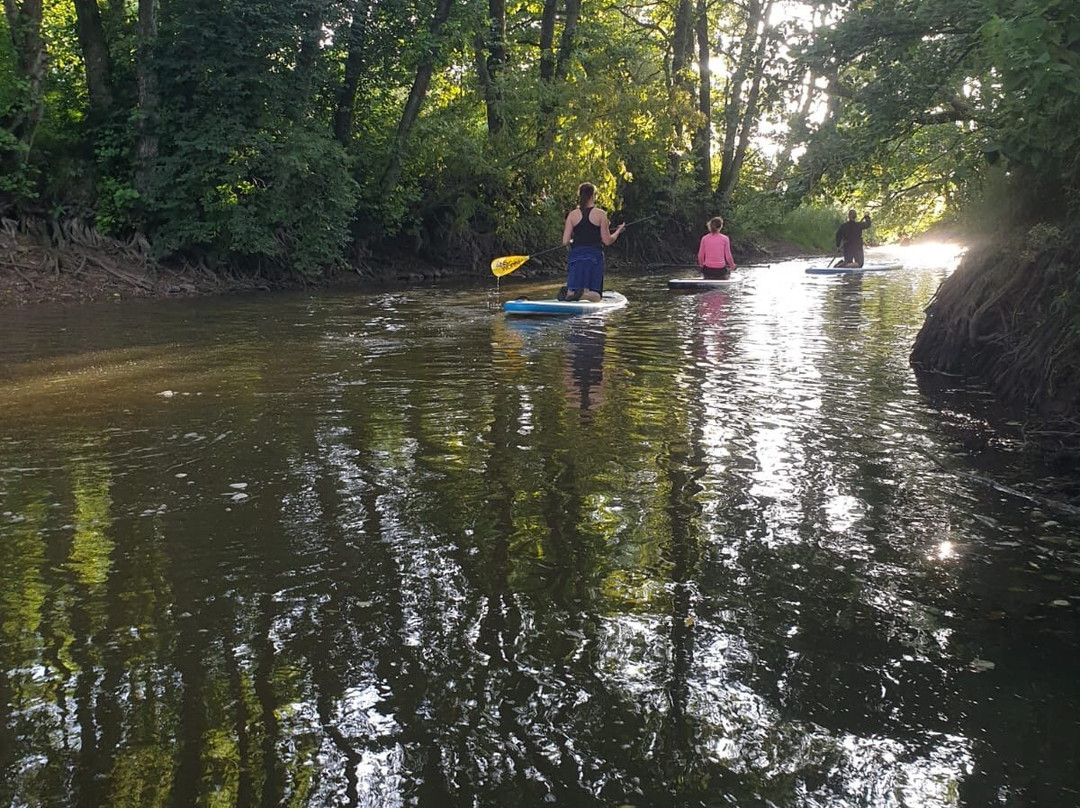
x=507, y=264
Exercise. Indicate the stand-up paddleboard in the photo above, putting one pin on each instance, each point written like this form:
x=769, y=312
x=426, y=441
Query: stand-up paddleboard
x=610, y=301
x=704, y=283
x=853, y=270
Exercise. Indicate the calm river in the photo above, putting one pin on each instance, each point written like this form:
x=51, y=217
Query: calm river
x=396, y=549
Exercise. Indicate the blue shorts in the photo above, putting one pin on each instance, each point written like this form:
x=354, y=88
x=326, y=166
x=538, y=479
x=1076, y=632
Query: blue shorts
x=585, y=269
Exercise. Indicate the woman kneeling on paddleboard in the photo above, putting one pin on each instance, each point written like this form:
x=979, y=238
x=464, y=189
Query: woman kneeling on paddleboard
x=714, y=253
x=587, y=227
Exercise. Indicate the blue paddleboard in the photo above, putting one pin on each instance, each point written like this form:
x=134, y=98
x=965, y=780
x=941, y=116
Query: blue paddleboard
x=610, y=301
x=853, y=270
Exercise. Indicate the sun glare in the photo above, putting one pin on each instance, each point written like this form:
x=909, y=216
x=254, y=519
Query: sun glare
x=930, y=254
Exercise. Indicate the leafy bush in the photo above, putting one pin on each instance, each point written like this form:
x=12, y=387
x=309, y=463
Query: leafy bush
x=287, y=199
x=811, y=226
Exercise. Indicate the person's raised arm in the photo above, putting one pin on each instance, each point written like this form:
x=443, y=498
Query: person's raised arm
x=865, y=221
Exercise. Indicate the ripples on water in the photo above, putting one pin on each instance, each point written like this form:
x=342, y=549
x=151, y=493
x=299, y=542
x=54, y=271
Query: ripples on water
x=396, y=549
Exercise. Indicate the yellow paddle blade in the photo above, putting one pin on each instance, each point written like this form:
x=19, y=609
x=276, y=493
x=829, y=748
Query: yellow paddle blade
x=507, y=264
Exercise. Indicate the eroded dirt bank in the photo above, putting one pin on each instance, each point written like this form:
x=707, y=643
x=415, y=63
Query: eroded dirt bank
x=1010, y=317
x=68, y=262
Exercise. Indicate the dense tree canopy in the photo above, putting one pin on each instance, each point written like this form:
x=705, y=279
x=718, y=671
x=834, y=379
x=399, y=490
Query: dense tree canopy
x=930, y=98
x=305, y=133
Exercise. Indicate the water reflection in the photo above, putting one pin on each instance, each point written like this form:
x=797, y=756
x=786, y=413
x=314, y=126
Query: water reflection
x=712, y=549
x=585, y=366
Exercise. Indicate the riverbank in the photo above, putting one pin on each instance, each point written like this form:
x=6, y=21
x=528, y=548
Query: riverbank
x=66, y=262
x=1010, y=317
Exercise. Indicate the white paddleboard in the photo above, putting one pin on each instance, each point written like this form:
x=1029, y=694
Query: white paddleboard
x=705, y=283
x=610, y=301
x=853, y=270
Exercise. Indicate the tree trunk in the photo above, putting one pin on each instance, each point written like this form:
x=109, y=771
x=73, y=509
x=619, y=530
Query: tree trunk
x=734, y=106
x=96, y=59
x=796, y=129
x=417, y=93
x=682, y=41
x=547, y=39
x=813, y=166
x=554, y=65
x=566, y=42
x=24, y=26
x=545, y=121
x=146, y=149
x=703, y=131
x=493, y=66
x=750, y=115
x=354, y=68
x=310, y=46
x=545, y=129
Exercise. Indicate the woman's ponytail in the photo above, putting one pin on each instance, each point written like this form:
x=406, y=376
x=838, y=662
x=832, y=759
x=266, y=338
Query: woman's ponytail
x=586, y=192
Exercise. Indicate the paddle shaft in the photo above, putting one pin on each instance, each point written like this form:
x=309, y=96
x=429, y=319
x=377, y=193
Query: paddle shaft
x=639, y=221
x=628, y=224
x=559, y=246
x=698, y=266
x=508, y=263
x=549, y=249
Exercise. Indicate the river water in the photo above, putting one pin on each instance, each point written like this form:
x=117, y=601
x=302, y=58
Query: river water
x=397, y=549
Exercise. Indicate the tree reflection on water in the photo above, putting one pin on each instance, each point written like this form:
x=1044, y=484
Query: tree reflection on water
x=684, y=555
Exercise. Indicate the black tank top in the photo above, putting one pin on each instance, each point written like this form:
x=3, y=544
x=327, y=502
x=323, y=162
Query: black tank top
x=587, y=234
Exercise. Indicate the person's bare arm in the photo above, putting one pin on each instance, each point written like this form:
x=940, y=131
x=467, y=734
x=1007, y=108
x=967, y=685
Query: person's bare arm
x=568, y=229
x=606, y=235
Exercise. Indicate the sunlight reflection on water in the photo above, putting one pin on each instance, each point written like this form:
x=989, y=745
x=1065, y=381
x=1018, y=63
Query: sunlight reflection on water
x=394, y=549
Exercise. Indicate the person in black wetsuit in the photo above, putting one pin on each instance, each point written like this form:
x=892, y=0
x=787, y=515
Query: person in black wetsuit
x=587, y=227
x=849, y=236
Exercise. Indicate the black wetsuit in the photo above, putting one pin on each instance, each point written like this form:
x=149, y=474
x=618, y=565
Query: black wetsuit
x=850, y=236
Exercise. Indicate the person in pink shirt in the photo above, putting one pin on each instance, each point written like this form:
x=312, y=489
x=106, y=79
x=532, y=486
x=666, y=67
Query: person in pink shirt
x=714, y=254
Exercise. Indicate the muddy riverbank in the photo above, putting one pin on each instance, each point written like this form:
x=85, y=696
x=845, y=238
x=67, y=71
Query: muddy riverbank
x=67, y=262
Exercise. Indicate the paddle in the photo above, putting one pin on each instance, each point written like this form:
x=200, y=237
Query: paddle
x=697, y=266
x=639, y=221
x=508, y=263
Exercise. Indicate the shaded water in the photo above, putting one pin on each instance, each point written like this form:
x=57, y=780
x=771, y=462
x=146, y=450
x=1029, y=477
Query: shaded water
x=396, y=549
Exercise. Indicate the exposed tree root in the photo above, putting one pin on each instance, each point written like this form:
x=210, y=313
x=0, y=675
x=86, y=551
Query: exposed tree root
x=67, y=260
x=1010, y=315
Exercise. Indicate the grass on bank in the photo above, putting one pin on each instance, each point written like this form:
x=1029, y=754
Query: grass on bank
x=766, y=217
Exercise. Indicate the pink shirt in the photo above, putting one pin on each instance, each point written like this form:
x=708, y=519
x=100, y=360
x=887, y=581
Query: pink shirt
x=715, y=251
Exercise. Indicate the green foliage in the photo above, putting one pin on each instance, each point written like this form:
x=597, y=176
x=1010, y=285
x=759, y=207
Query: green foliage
x=241, y=176
x=117, y=206
x=756, y=213
x=921, y=98
x=812, y=227
x=1035, y=48
x=935, y=93
x=285, y=197
x=16, y=180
